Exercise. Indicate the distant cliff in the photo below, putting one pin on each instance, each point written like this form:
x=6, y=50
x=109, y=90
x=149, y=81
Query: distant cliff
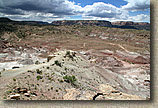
x=83, y=22
x=103, y=23
x=118, y=24
x=131, y=25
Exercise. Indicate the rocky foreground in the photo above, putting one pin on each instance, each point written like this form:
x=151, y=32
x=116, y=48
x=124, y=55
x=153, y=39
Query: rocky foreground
x=80, y=75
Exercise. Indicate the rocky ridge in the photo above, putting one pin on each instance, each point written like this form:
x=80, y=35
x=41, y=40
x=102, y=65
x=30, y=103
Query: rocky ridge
x=103, y=23
x=131, y=25
x=69, y=75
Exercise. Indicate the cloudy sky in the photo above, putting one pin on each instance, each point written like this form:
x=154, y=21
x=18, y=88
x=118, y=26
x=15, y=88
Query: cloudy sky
x=50, y=10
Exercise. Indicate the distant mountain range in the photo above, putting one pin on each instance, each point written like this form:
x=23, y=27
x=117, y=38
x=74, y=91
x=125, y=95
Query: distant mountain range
x=7, y=20
x=118, y=24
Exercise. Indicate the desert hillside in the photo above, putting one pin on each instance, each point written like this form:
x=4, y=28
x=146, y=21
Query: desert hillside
x=73, y=62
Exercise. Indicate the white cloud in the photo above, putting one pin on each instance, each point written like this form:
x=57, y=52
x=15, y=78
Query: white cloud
x=137, y=18
x=102, y=10
x=140, y=18
x=136, y=5
x=49, y=10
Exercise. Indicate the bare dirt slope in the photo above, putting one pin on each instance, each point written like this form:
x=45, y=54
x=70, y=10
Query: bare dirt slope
x=66, y=70
x=88, y=62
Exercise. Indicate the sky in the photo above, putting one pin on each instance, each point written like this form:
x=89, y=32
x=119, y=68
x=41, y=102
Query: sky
x=52, y=10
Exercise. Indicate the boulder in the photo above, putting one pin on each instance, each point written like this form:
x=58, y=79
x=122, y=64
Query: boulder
x=71, y=94
x=106, y=89
x=15, y=67
x=50, y=57
x=22, y=90
x=108, y=92
x=16, y=96
x=27, y=94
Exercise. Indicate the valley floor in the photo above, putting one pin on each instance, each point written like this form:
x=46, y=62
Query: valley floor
x=65, y=63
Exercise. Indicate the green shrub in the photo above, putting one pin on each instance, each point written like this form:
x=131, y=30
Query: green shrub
x=14, y=79
x=57, y=63
x=60, y=80
x=65, y=69
x=39, y=71
x=68, y=54
x=70, y=79
x=39, y=77
x=4, y=97
x=21, y=34
x=49, y=78
x=37, y=62
x=51, y=88
x=29, y=71
x=9, y=91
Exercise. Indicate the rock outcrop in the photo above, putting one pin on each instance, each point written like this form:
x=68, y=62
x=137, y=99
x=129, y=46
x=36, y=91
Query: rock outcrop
x=105, y=92
x=68, y=75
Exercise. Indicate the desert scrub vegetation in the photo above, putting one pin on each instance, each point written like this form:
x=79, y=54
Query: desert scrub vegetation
x=70, y=55
x=39, y=77
x=14, y=79
x=6, y=28
x=57, y=63
x=29, y=71
x=70, y=79
x=21, y=34
x=39, y=71
x=37, y=62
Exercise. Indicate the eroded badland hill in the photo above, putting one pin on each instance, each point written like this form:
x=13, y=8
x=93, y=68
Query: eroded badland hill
x=73, y=62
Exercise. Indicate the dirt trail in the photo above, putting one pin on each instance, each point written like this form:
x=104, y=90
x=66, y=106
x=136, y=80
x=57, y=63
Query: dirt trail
x=15, y=72
x=118, y=46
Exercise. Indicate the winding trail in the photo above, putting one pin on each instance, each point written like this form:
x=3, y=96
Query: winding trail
x=118, y=46
x=15, y=72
